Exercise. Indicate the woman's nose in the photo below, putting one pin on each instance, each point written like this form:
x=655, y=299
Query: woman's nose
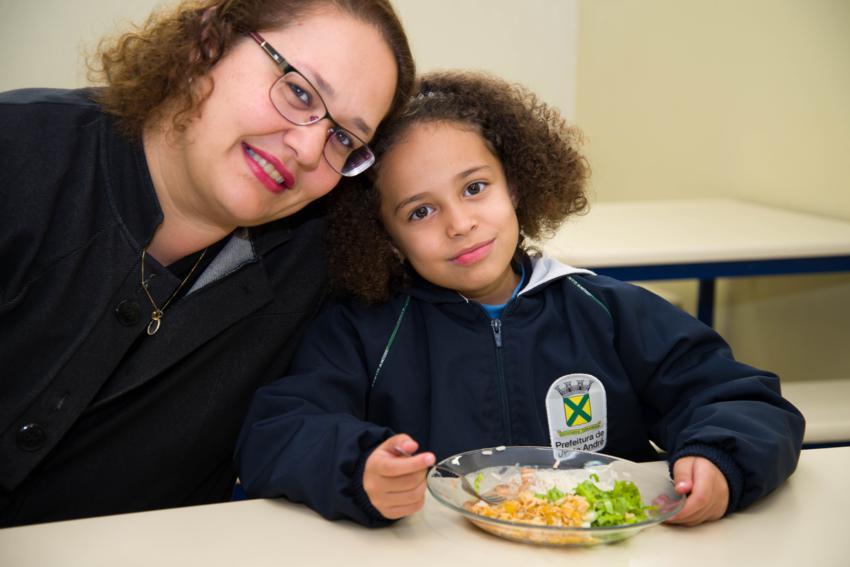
x=308, y=142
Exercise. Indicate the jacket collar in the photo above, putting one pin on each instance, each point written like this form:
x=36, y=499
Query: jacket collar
x=128, y=183
x=543, y=270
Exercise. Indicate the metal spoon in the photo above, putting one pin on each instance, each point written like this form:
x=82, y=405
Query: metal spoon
x=488, y=497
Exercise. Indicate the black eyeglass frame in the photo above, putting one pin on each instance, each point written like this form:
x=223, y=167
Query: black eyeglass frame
x=287, y=68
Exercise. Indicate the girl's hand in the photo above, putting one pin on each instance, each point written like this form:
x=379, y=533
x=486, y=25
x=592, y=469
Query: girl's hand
x=707, y=490
x=395, y=482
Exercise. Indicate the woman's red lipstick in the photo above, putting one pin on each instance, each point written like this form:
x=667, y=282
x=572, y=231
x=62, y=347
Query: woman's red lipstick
x=268, y=170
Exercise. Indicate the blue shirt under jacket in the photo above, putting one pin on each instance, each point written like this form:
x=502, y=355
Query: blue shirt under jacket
x=455, y=380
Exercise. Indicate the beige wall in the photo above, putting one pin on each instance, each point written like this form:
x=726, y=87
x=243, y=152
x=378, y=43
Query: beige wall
x=42, y=42
x=532, y=42
x=738, y=98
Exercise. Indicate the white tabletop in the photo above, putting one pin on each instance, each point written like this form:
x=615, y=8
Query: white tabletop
x=802, y=523
x=629, y=233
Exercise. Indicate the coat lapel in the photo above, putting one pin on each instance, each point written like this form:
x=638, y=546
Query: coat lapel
x=232, y=287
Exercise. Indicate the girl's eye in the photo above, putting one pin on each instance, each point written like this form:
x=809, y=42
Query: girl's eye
x=474, y=188
x=420, y=213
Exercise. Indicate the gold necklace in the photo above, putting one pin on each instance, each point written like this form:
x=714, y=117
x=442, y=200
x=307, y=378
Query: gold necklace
x=156, y=315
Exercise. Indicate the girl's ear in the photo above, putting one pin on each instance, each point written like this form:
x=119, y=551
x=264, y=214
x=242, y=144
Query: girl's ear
x=513, y=195
x=398, y=253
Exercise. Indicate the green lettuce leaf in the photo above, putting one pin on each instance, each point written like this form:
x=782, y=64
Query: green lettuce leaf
x=620, y=505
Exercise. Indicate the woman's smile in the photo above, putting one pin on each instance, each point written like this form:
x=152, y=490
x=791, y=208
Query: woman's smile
x=269, y=170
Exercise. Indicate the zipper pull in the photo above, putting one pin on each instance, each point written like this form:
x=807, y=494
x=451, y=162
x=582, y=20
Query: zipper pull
x=496, y=325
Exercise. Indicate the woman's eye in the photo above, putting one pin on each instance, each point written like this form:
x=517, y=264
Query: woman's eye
x=474, y=188
x=343, y=138
x=420, y=213
x=300, y=94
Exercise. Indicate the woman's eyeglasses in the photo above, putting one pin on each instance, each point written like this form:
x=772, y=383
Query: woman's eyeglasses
x=299, y=102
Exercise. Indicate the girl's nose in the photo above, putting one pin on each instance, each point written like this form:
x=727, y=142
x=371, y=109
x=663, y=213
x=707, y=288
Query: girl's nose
x=459, y=221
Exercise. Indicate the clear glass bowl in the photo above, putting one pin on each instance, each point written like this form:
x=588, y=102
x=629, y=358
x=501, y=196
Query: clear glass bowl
x=498, y=463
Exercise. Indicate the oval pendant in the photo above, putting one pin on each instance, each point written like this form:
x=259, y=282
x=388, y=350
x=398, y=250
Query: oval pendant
x=156, y=319
x=153, y=326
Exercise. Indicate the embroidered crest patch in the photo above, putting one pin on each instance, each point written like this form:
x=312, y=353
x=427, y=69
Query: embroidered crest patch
x=578, y=414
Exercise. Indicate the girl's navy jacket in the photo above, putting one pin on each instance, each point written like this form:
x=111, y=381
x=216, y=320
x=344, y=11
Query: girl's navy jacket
x=432, y=364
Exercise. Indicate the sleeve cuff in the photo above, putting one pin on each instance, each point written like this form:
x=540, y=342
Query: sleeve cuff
x=361, y=499
x=723, y=461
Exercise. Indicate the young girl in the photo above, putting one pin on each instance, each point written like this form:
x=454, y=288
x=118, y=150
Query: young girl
x=457, y=337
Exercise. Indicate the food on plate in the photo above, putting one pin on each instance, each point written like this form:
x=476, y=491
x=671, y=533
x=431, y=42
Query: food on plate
x=556, y=498
x=562, y=498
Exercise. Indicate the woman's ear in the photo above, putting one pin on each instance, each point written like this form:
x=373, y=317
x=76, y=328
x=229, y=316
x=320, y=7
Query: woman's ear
x=513, y=195
x=210, y=45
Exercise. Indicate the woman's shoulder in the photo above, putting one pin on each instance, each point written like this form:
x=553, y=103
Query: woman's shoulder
x=47, y=121
x=44, y=103
x=48, y=96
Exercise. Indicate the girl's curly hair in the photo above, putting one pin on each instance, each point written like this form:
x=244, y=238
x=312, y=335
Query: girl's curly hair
x=149, y=73
x=537, y=148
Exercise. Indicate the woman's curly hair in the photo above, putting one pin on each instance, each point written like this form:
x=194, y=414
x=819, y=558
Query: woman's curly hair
x=537, y=148
x=149, y=73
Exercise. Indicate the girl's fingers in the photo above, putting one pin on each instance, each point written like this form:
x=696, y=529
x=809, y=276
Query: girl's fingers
x=395, y=500
x=683, y=474
x=708, y=493
x=394, y=457
x=406, y=483
x=406, y=445
x=394, y=478
x=400, y=511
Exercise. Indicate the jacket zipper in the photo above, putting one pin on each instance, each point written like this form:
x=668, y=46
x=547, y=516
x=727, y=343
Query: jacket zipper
x=496, y=326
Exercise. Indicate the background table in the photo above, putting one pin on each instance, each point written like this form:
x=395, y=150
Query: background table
x=802, y=523
x=700, y=239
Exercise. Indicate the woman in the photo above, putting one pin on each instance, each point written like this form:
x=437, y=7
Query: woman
x=159, y=257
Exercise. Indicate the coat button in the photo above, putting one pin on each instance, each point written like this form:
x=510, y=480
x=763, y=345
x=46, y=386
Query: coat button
x=128, y=312
x=31, y=437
